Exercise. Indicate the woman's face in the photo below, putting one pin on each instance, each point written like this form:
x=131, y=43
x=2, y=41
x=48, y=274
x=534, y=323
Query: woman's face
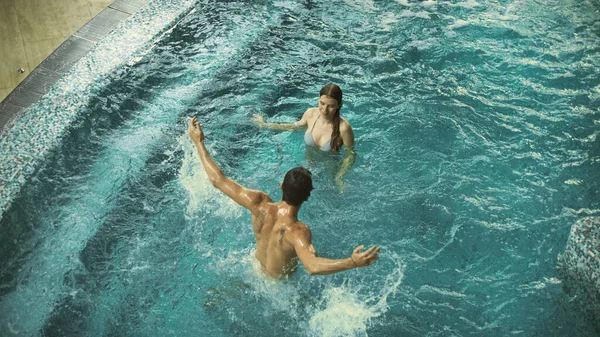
x=328, y=106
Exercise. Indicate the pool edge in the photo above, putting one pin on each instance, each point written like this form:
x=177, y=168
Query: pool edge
x=36, y=122
x=39, y=81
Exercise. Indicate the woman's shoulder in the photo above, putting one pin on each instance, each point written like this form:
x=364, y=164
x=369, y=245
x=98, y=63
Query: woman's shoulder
x=345, y=126
x=346, y=133
x=311, y=112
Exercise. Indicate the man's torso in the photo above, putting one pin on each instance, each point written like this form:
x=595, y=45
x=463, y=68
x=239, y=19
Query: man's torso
x=276, y=255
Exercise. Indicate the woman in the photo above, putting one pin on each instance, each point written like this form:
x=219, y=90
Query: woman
x=325, y=128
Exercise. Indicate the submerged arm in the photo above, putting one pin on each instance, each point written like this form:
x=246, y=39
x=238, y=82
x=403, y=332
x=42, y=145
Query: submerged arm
x=315, y=265
x=349, y=152
x=349, y=159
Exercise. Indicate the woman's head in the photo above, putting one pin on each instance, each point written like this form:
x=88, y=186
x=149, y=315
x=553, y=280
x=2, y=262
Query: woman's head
x=328, y=107
x=333, y=91
x=296, y=186
x=329, y=94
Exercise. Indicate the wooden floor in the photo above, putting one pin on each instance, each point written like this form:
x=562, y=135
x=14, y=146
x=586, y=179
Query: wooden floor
x=31, y=29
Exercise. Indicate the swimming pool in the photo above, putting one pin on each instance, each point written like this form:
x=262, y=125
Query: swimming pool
x=476, y=127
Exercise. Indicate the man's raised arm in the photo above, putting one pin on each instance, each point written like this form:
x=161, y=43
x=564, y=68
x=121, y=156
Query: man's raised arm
x=301, y=239
x=250, y=199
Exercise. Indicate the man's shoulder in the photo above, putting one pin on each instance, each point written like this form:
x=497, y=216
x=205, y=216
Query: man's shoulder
x=298, y=232
x=259, y=201
x=263, y=199
x=299, y=227
x=266, y=197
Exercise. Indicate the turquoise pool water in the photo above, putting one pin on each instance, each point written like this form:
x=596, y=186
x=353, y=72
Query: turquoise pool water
x=477, y=135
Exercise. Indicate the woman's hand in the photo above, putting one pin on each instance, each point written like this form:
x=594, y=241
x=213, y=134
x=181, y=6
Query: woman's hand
x=258, y=120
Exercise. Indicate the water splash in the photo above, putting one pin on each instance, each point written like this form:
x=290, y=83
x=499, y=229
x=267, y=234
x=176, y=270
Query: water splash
x=343, y=311
x=338, y=310
x=203, y=196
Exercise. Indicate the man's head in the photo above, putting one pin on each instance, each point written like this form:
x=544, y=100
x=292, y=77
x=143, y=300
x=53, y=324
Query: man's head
x=296, y=186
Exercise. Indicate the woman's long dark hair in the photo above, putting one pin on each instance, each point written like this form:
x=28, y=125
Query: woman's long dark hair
x=335, y=92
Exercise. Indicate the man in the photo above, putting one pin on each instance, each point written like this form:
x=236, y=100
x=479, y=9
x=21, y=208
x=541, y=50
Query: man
x=280, y=238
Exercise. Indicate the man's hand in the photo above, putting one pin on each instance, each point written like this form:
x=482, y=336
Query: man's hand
x=195, y=131
x=365, y=258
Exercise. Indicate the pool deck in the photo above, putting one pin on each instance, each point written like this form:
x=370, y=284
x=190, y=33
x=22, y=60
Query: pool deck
x=30, y=30
x=34, y=122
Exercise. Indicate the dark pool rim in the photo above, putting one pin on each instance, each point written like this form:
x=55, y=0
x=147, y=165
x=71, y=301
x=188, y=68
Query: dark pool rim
x=60, y=61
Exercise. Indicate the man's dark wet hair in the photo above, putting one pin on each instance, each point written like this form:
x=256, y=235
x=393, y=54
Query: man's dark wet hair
x=296, y=186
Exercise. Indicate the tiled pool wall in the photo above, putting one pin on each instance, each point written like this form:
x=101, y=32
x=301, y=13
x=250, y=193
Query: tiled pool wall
x=39, y=111
x=579, y=265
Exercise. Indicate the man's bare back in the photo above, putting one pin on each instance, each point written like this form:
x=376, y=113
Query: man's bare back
x=272, y=227
x=280, y=237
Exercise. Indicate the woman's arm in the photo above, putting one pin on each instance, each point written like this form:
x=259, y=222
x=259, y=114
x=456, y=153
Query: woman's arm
x=349, y=158
x=349, y=152
x=299, y=125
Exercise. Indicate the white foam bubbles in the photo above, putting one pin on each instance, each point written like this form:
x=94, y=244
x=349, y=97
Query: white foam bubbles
x=363, y=4
x=344, y=314
x=458, y=24
x=465, y=4
x=409, y=13
x=424, y=44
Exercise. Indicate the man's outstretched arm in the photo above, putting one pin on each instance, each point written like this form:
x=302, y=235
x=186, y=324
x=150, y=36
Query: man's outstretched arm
x=301, y=239
x=247, y=198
